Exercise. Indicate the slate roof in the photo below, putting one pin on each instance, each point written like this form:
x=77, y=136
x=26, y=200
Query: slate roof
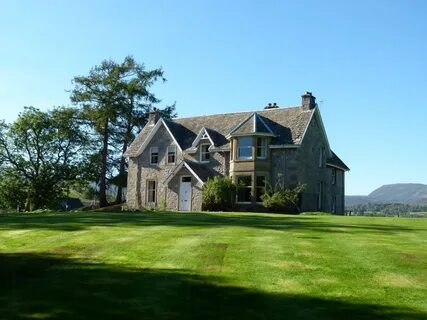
x=202, y=171
x=337, y=162
x=287, y=124
x=252, y=124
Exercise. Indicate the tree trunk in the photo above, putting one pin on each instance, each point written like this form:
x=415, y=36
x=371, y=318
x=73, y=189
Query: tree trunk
x=103, y=176
x=122, y=172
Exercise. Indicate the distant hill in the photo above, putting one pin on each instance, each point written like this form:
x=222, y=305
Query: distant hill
x=406, y=193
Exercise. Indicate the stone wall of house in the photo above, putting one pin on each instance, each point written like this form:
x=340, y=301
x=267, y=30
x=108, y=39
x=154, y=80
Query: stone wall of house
x=339, y=192
x=172, y=202
x=289, y=167
x=140, y=171
x=131, y=199
x=301, y=165
x=309, y=171
x=284, y=167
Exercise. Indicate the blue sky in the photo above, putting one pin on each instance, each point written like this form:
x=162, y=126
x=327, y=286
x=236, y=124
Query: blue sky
x=366, y=60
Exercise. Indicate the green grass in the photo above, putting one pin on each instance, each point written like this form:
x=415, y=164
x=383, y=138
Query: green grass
x=211, y=266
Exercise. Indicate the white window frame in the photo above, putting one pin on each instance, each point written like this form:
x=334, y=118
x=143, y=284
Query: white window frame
x=151, y=156
x=204, y=153
x=246, y=187
x=148, y=191
x=167, y=154
x=250, y=147
x=262, y=147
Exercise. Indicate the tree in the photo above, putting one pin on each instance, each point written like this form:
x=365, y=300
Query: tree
x=135, y=103
x=115, y=100
x=219, y=193
x=281, y=199
x=42, y=153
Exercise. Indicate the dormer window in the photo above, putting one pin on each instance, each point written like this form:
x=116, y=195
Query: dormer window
x=171, y=154
x=154, y=155
x=261, y=148
x=205, y=156
x=244, y=148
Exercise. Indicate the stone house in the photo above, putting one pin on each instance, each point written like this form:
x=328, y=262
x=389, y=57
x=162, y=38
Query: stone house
x=170, y=160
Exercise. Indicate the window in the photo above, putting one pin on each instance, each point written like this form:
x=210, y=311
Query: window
x=321, y=157
x=319, y=205
x=204, y=153
x=151, y=191
x=260, y=187
x=261, y=148
x=244, y=194
x=171, y=154
x=334, y=176
x=334, y=204
x=244, y=148
x=186, y=179
x=154, y=155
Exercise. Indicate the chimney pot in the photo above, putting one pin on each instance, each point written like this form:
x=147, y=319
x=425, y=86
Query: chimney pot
x=271, y=106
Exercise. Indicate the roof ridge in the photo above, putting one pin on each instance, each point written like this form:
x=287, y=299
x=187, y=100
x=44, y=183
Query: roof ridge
x=239, y=112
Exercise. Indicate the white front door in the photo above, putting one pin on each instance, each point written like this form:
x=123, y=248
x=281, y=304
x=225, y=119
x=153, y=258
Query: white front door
x=185, y=194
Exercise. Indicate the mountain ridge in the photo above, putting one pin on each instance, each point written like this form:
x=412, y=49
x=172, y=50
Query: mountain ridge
x=405, y=193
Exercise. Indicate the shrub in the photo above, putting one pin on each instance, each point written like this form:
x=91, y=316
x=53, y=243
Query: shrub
x=283, y=199
x=316, y=213
x=219, y=193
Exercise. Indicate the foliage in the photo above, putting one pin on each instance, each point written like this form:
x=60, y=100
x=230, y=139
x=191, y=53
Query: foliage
x=219, y=193
x=283, y=199
x=13, y=193
x=41, y=153
x=385, y=209
x=115, y=101
x=316, y=213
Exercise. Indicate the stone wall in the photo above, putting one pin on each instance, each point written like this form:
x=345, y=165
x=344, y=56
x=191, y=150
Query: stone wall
x=291, y=165
x=172, y=202
x=140, y=170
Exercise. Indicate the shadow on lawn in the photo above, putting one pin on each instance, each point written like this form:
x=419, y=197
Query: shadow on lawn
x=59, y=288
x=80, y=221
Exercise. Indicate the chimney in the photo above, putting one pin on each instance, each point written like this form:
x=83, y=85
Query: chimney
x=153, y=117
x=308, y=101
x=271, y=106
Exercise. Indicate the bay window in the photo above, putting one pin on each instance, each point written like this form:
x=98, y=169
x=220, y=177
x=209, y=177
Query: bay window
x=260, y=188
x=244, y=193
x=244, y=148
x=261, y=148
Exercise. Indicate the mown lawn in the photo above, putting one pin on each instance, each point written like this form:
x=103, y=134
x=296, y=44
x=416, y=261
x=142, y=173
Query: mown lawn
x=211, y=266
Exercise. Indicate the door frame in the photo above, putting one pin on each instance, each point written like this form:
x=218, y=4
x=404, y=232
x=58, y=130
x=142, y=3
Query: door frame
x=191, y=191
